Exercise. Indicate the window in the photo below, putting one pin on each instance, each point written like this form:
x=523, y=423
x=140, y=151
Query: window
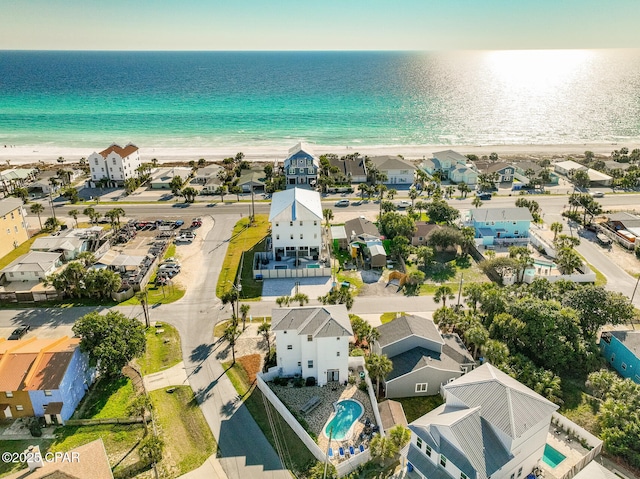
x=309, y=337
x=310, y=363
x=9, y=394
x=338, y=354
x=12, y=217
x=47, y=392
x=515, y=232
x=114, y=161
x=301, y=223
x=301, y=236
x=513, y=476
x=419, y=443
x=623, y=366
x=95, y=161
x=16, y=228
x=290, y=223
x=443, y=461
x=277, y=224
x=421, y=387
x=519, y=472
x=315, y=235
x=613, y=356
x=291, y=236
x=292, y=171
x=428, y=450
x=19, y=407
x=463, y=475
x=338, y=338
x=277, y=237
x=289, y=346
x=315, y=223
x=310, y=171
x=300, y=363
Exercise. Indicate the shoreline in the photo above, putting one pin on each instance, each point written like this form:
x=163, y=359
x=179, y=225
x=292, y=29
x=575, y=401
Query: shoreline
x=48, y=154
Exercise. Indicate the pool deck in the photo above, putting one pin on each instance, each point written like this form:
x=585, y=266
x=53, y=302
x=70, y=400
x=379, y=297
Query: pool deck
x=570, y=448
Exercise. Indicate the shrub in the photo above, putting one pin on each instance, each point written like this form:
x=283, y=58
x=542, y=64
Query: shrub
x=311, y=381
x=352, y=379
x=298, y=382
x=281, y=381
x=356, y=352
x=362, y=386
x=34, y=427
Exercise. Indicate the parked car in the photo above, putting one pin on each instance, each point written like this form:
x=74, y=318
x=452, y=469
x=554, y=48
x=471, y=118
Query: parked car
x=169, y=268
x=402, y=204
x=178, y=224
x=597, y=194
x=185, y=238
x=196, y=222
x=356, y=203
x=342, y=203
x=19, y=332
x=484, y=195
x=603, y=239
x=170, y=261
x=591, y=227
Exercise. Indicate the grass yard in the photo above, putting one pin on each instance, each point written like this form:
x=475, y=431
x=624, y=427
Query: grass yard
x=188, y=439
x=163, y=350
x=353, y=277
x=7, y=467
x=107, y=398
x=300, y=456
x=243, y=239
x=24, y=248
x=251, y=289
x=390, y=316
x=415, y=407
x=578, y=405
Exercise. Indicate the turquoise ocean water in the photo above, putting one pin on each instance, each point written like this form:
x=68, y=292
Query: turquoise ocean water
x=87, y=99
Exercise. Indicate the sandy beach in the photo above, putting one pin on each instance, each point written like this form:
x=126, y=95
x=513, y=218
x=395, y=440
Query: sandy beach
x=33, y=154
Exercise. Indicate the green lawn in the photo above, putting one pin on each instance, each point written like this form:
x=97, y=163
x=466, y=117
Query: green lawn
x=352, y=277
x=188, y=439
x=251, y=289
x=24, y=248
x=301, y=458
x=163, y=350
x=390, y=316
x=243, y=239
x=107, y=398
x=415, y=407
x=449, y=270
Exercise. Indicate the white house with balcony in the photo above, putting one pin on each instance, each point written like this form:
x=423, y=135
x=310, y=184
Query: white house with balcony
x=490, y=426
x=114, y=165
x=398, y=170
x=313, y=341
x=296, y=224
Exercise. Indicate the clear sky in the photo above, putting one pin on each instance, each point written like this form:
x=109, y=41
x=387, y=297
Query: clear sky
x=317, y=25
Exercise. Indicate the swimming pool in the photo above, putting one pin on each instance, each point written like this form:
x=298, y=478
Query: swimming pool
x=551, y=457
x=348, y=411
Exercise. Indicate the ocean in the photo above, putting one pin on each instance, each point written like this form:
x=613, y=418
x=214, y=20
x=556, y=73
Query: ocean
x=180, y=99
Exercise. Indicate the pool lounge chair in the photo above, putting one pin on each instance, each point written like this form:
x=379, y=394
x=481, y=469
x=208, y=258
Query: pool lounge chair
x=352, y=451
x=341, y=452
x=330, y=453
x=361, y=447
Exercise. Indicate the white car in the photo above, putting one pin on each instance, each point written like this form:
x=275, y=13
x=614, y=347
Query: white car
x=597, y=194
x=402, y=204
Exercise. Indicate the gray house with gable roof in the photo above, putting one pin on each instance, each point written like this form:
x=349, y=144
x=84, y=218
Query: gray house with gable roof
x=490, y=426
x=313, y=341
x=423, y=359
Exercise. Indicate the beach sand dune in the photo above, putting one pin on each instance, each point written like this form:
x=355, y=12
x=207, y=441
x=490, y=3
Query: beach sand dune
x=49, y=154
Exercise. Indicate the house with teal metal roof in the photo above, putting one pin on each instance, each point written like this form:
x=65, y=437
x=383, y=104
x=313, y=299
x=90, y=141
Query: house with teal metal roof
x=622, y=351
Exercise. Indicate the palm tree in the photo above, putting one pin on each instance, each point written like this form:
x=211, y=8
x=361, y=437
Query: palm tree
x=477, y=202
x=327, y=213
x=371, y=336
x=189, y=194
x=476, y=335
x=300, y=298
x=443, y=293
x=244, y=310
x=378, y=366
x=139, y=407
x=265, y=330
x=74, y=214
x=556, y=227
x=450, y=191
x=568, y=260
x=37, y=209
x=87, y=258
x=231, y=335
x=391, y=193
x=413, y=195
x=230, y=296
x=494, y=351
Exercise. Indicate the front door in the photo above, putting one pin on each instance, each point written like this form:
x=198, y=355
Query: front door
x=333, y=375
x=7, y=412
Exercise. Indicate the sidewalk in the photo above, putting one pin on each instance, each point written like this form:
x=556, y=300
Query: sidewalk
x=173, y=376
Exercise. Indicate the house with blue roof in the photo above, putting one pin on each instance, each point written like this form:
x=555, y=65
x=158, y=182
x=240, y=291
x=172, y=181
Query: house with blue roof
x=621, y=349
x=490, y=426
x=301, y=167
x=500, y=225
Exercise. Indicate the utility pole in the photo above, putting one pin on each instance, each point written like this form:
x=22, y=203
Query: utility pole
x=460, y=289
x=253, y=206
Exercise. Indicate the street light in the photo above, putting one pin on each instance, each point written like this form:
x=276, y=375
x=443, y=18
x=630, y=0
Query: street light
x=238, y=288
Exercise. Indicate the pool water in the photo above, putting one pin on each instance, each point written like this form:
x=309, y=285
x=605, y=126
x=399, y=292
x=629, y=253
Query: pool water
x=551, y=457
x=348, y=411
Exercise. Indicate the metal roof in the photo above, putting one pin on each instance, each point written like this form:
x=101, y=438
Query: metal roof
x=296, y=199
x=450, y=155
x=33, y=261
x=501, y=214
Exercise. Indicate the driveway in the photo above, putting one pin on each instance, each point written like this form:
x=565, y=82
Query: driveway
x=312, y=287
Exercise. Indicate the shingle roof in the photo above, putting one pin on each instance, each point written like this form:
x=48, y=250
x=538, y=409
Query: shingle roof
x=405, y=326
x=491, y=166
x=294, y=199
x=359, y=226
x=450, y=155
x=456, y=349
x=424, y=229
x=418, y=358
x=391, y=413
x=501, y=214
x=319, y=322
x=122, y=152
x=391, y=163
x=349, y=166
x=507, y=404
x=7, y=205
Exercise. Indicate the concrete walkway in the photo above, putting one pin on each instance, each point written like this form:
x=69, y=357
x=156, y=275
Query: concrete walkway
x=173, y=376
x=211, y=469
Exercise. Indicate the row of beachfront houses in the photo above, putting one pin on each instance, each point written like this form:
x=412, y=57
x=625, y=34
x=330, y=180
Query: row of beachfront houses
x=43, y=378
x=490, y=425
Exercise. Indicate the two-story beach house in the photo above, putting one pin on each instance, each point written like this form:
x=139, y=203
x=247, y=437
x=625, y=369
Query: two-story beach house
x=504, y=171
x=296, y=224
x=451, y=165
x=490, y=426
x=500, y=225
x=13, y=226
x=313, y=342
x=423, y=359
x=114, y=165
x=301, y=167
x=621, y=349
x=398, y=171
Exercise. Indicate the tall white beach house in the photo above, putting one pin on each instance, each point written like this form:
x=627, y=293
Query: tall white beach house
x=114, y=165
x=296, y=224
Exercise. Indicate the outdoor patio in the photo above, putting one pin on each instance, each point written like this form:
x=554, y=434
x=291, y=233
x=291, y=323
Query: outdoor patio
x=295, y=398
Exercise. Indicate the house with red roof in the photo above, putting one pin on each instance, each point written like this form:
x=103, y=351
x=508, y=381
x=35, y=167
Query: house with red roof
x=114, y=165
